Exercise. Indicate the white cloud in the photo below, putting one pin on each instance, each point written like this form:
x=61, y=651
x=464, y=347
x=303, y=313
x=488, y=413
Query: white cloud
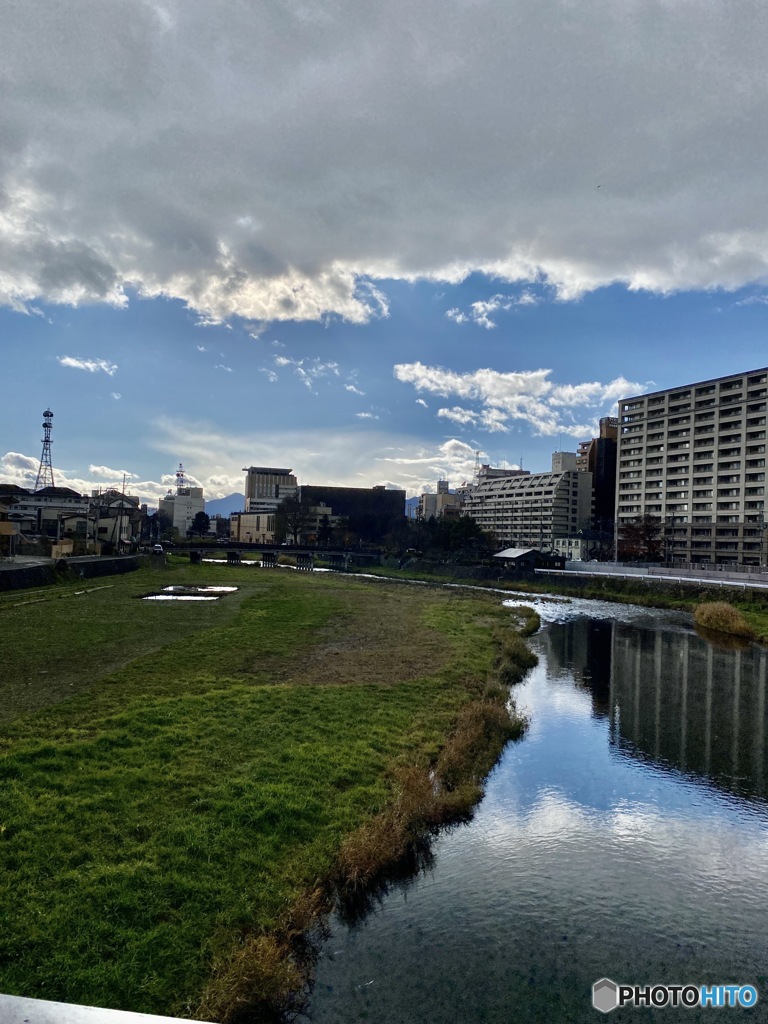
x=458, y=415
x=354, y=390
x=366, y=416
x=91, y=365
x=456, y=315
x=420, y=401
x=201, y=348
x=105, y=473
x=480, y=312
x=276, y=167
x=527, y=396
x=221, y=366
x=309, y=371
x=346, y=458
x=116, y=395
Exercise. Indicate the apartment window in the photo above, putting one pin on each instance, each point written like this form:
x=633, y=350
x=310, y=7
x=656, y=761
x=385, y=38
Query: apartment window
x=679, y=396
x=755, y=463
x=704, y=493
x=709, y=389
x=753, y=504
x=755, y=476
x=754, y=490
x=659, y=400
x=704, y=404
x=758, y=378
x=727, y=519
x=730, y=385
x=727, y=504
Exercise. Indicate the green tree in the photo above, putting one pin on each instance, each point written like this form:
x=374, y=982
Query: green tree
x=201, y=524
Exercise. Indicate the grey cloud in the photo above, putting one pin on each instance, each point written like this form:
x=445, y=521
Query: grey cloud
x=272, y=160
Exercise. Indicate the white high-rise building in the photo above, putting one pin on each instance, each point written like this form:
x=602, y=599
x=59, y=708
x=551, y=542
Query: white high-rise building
x=694, y=457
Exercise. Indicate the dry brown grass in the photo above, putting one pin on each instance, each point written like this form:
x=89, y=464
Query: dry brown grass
x=721, y=617
x=390, y=642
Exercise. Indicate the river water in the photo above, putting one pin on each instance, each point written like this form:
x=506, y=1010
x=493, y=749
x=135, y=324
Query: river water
x=626, y=835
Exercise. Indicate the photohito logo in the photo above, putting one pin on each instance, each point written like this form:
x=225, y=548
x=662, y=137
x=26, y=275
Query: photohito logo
x=607, y=995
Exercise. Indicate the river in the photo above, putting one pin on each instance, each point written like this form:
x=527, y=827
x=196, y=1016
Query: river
x=625, y=836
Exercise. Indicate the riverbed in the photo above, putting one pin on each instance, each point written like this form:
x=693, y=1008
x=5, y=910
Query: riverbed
x=625, y=836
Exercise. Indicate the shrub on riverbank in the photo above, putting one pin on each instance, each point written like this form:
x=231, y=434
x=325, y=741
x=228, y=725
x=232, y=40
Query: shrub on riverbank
x=722, y=617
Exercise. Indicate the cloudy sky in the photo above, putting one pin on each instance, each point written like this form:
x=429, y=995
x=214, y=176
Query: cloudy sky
x=368, y=241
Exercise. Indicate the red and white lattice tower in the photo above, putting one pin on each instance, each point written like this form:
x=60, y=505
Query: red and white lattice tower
x=180, y=480
x=45, y=470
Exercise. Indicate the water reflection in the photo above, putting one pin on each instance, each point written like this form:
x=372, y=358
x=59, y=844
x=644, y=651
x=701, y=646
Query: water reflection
x=671, y=697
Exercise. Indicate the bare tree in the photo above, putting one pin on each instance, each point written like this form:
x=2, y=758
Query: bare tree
x=292, y=517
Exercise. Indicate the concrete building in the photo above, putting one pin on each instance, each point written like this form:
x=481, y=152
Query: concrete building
x=252, y=527
x=370, y=512
x=182, y=506
x=266, y=487
x=439, y=504
x=526, y=510
x=694, y=457
x=598, y=457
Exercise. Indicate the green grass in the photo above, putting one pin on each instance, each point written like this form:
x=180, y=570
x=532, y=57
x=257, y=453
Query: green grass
x=177, y=776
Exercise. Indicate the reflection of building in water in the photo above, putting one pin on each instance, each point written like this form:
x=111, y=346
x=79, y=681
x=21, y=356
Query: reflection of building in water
x=672, y=697
x=677, y=699
x=582, y=648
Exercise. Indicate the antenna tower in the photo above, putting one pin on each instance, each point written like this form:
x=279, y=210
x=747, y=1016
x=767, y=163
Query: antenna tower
x=180, y=481
x=45, y=470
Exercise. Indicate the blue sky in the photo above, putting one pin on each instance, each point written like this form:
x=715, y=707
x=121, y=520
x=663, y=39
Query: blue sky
x=367, y=247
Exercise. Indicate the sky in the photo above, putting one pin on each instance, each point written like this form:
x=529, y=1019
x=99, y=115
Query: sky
x=374, y=243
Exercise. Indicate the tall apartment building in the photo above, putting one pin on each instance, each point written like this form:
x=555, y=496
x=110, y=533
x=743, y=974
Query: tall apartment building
x=694, y=456
x=532, y=509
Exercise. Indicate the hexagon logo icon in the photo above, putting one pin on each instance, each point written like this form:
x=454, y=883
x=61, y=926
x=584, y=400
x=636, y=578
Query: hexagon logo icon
x=605, y=995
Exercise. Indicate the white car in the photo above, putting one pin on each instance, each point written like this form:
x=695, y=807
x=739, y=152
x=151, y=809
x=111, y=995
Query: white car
x=157, y=549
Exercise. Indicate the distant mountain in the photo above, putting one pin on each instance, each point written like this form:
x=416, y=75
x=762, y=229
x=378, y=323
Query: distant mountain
x=411, y=507
x=225, y=506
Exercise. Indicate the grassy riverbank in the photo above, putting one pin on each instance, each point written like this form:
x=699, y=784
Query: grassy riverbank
x=179, y=779
x=681, y=597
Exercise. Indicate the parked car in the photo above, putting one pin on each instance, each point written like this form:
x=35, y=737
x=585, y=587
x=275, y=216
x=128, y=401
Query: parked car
x=157, y=549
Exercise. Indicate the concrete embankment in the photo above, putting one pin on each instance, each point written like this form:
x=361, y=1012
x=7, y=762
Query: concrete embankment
x=22, y=575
